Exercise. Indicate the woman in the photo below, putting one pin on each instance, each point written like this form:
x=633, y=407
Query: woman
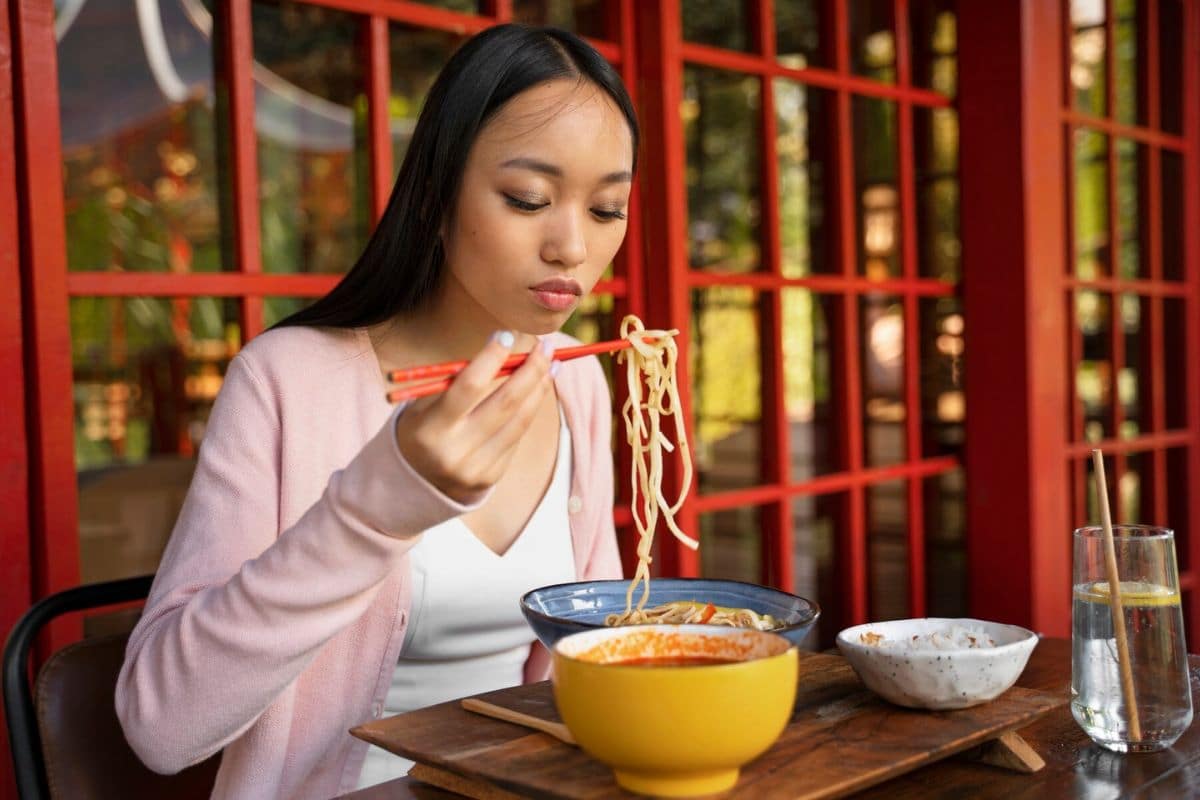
x=337, y=559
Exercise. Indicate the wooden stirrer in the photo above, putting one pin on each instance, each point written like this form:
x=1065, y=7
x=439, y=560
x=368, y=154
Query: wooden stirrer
x=1114, y=600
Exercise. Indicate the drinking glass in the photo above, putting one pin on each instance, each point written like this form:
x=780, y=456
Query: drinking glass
x=1149, y=581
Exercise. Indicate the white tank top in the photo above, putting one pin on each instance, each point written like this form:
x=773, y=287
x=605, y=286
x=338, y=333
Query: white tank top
x=465, y=631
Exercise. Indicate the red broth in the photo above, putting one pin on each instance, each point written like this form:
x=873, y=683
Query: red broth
x=674, y=661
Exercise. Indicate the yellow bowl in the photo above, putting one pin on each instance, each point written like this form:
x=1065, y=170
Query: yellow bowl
x=675, y=730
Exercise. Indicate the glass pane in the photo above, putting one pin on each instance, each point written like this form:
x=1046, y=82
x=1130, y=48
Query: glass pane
x=720, y=114
x=817, y=525
x=1094, y=374
x=417, y=55
x=592, y=321
x=312, y=150
x=593, y=18
x=726, y=387
x=1080, y=498
x=1088, y=71
x=276, y=309
x=798, y=34
x=873, y=39
x=934, y=45
x=945, y=544
x=882, y=338
x=808, y=382
x=878, y=220
x=1129, y=61
x=1133, y=250
x=804, y=146
x=138, y=145
x=939, y=248
x=1134, y=380
x=1170, y=67
x=1135, y=501
x=1175, y=367
x=943, y=405
x=719, y=23
x=1179, y=494
x=462, y=6
x=1172, y=215
x=1089, y=487
x=1092, y=256
x=887, y=549
x=731, y=544
x=146, y=372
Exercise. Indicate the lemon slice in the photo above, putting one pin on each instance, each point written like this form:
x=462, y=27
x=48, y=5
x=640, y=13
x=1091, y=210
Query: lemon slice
x=1140, y=594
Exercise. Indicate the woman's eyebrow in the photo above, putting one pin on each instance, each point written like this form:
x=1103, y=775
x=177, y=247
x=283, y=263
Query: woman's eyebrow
x=624, y=176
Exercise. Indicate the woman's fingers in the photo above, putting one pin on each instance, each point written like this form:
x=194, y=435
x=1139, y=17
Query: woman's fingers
x=474, y=383
x=496, y=451
x=461, y=440
x=495, y=411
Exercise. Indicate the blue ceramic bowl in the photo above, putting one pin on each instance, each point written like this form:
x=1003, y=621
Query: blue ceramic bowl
x=565, y=608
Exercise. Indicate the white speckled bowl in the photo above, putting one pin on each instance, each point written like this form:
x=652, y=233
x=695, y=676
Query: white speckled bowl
x=937, y=679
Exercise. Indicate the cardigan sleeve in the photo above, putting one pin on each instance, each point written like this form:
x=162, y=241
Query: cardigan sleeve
x=238, y=608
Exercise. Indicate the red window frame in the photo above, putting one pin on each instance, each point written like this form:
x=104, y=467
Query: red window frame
x=53, y=500
x=1021, y=421
x=666, y=208
x=649, y=50
x=1155, y=289
x=651, y=31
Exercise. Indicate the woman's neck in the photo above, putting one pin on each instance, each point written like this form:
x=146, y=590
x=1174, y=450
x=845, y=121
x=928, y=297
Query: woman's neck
x=452, y=327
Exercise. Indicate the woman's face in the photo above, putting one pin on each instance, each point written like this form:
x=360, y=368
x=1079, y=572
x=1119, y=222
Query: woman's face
x=541, y=209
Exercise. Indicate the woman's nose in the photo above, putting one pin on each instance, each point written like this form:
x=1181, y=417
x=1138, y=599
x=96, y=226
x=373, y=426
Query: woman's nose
x=564, y=241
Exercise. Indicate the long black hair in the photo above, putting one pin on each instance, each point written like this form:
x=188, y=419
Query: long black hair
x=402, y=264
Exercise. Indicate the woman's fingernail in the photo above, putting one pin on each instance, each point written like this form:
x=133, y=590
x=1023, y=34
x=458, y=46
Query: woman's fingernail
x=547, y=348
x=554, y=368
x=504, y=338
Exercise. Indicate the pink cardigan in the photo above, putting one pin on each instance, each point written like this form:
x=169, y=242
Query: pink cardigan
x=280, y=605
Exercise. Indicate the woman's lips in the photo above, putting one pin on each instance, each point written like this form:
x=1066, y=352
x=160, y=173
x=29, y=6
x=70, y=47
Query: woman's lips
x=555, y=301
x=557, y=294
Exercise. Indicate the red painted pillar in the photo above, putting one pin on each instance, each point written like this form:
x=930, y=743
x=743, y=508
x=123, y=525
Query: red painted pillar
x=15, y=574
x=53, y=505
x=1191, y=254
x=1014, y=245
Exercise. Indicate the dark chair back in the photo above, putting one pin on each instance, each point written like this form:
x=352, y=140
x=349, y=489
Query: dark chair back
x=65, y=737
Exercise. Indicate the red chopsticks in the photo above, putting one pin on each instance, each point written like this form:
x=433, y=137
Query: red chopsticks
x=445, y=372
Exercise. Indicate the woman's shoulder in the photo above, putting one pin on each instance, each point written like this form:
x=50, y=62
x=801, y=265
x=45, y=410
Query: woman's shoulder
x=299, y=347
x=294, y=355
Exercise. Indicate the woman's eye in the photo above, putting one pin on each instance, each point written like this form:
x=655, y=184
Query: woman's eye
x=608, y=214
x=523, y=205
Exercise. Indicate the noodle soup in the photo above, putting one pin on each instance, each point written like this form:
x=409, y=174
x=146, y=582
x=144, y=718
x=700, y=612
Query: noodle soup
x=556, y=611
x=675, y=661
x=694, y=612
x=630, y=698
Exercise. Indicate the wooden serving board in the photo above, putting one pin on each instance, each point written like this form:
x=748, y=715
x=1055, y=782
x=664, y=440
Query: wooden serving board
x=841, y=738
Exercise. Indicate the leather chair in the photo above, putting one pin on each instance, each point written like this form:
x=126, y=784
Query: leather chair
x=65, y=738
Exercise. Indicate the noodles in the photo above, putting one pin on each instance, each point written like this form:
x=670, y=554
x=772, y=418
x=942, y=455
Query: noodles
x=684, y=612
x=651, y=367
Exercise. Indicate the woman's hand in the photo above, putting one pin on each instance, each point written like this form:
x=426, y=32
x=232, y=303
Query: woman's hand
x=462, y=440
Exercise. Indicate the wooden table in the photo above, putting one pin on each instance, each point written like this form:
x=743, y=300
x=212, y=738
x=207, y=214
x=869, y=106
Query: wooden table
x=1075, y=767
